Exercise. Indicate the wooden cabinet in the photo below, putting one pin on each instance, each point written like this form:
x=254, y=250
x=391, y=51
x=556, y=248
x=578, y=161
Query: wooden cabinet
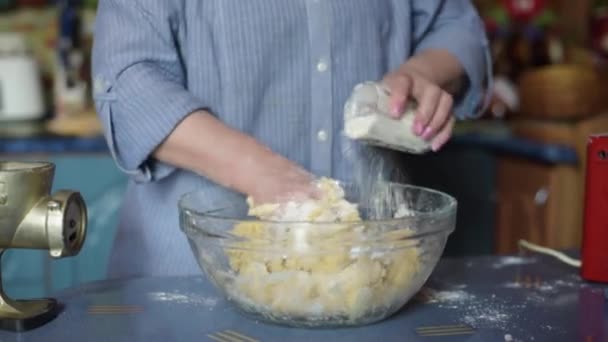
x=539, y=203
x=569, y=133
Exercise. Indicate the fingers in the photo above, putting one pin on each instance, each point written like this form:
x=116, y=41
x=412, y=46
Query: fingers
x=300, y=185
x=282, y=192
x=434, y=120
x=428, y=100
x=444, y=135
x=279, y=180
x=400, y=86
x=442, y=114
x=311, y=191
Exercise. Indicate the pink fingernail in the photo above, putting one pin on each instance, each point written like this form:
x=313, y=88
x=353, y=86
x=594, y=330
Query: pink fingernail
x=396, y=110
x=418, y=128
x=427, y=133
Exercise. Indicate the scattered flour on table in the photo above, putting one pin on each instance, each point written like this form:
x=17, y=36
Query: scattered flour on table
x=450, y=296
x=180, y=298
x=513, y=261
x=447, y=299
x=488, y=311
x=544, y=286
x=491, y=311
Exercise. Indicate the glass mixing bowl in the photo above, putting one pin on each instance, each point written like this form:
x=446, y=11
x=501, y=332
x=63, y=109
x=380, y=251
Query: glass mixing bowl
x=322, y=274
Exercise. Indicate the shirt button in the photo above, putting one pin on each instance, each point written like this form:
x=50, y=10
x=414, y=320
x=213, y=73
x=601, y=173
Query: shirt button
x=322, y=135
x=322, y=65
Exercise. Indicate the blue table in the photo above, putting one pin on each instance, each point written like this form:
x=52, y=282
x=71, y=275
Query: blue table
x=527, y=298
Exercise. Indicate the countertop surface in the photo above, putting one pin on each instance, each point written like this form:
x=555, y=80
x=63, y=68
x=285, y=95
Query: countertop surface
x=518, y=298
x=547, y=153
x=493, y=136
x=44, y=144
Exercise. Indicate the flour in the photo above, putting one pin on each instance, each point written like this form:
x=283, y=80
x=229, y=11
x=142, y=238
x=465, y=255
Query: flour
x=487, y=313
x=367, y=118
x=512, y=261
x=512, y=285
x=478, y=311
x=545, y=288
x=493, y=311
x=542, y=286
x=168, y=297
x=344, y=281
x=179, y=298
x=448, y=299
x=570, y=284
x=457, y=296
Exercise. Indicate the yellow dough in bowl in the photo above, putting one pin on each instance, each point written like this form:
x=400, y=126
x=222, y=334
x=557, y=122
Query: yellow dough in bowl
x=287, y=266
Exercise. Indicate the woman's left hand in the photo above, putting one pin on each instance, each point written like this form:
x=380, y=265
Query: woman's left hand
x=434, y=120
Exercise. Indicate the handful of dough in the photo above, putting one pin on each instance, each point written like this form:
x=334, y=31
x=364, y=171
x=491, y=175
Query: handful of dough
x=299, y=269
x=366, y=118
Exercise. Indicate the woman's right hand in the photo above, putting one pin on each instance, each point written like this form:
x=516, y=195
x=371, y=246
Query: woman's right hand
x=203, y=144
x=275, y=179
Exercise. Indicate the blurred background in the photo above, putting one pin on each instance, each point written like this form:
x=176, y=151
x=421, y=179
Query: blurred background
x=518, y=172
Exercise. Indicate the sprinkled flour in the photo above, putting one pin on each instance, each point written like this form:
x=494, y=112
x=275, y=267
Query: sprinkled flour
x=446, y=299
x=457, y=296
x=512, y=261
x=478, y=311
x=180, y=298
x=542, y=286
x=491, y=313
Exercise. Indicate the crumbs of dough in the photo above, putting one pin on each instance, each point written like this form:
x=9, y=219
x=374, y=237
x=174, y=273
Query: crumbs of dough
x=316, y=273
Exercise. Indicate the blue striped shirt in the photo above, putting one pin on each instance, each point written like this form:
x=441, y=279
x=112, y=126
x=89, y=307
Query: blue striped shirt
x=279, y=70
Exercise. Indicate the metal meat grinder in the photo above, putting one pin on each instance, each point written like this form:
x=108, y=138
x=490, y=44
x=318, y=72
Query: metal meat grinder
x=32, y=218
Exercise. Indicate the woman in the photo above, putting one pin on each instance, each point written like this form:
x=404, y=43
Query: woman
x=238, y=98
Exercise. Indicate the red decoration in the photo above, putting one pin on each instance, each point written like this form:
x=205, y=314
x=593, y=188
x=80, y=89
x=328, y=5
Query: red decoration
x=599, y=34
x=491, y=25
x=524, y=10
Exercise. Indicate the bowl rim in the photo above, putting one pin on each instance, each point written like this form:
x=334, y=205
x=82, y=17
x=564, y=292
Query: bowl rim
x=450, y=208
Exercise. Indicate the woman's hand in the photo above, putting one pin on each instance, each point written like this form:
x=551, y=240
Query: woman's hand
x=430, y=78
x=203, y=144
x=434, y=119
x=275, y=179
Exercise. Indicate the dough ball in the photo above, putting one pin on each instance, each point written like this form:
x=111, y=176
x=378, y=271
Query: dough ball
x=300, y=269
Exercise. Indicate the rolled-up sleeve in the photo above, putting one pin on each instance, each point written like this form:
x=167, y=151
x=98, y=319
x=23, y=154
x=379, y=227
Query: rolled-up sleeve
x=455, y=26
x=139, y=82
